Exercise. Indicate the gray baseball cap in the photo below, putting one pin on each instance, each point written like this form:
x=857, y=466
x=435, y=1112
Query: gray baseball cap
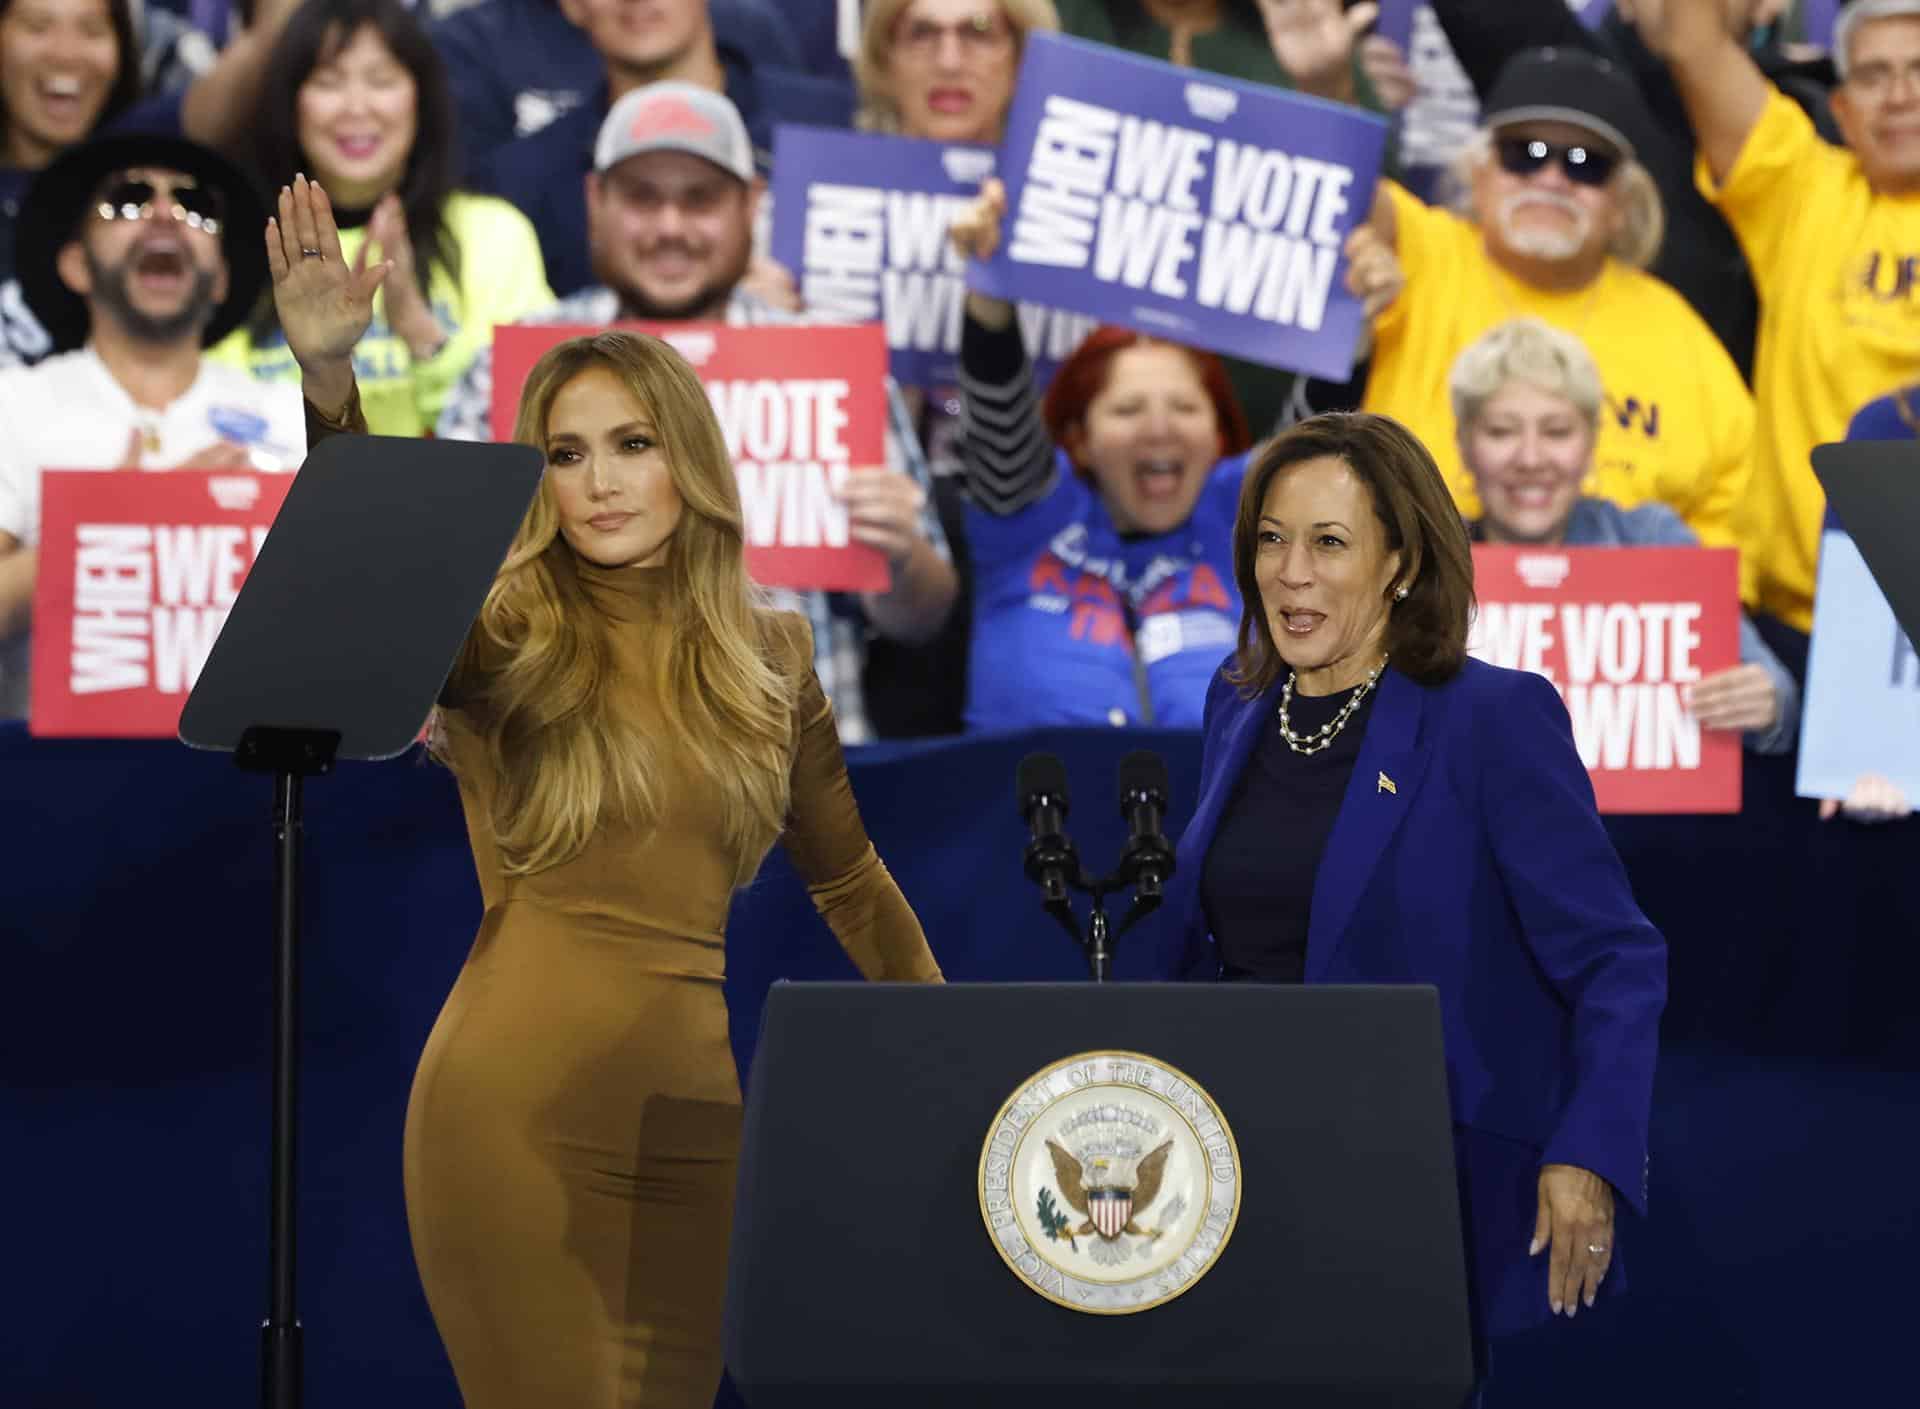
x=675, y=117
x=1857, y=14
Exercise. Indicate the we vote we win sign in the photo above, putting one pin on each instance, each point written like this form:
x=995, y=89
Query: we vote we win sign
x=137, y=573
x=1622, y=633
x=1192, y=207
x=801, y=408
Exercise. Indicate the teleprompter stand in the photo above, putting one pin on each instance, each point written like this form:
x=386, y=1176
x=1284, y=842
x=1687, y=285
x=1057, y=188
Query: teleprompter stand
x=336, y=648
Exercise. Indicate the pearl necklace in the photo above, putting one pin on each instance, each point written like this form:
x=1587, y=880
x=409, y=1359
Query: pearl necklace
x=1328, y=732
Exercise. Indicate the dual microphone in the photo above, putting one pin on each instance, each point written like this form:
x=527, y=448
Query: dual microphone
x=1054, y=865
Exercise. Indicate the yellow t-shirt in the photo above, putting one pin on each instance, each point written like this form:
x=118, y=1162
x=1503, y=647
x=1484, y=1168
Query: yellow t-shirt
x=502, y=279
x=1677, y=425
x=1838, y=270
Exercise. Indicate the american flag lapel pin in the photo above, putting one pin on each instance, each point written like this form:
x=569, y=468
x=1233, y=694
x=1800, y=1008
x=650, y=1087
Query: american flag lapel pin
x=1386, y=786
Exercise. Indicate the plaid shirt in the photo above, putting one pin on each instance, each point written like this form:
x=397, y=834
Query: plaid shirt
x=839, y=621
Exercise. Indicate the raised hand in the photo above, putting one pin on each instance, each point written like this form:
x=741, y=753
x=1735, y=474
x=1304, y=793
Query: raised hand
x=1314, y=42
x=1385, y=66
x=1374, y=273
x=975, y=233
x=324, y=304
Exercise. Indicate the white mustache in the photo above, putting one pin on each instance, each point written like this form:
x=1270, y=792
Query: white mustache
x=1539, y=243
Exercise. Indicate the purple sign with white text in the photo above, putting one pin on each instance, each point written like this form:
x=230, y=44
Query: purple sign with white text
x=1200, y=209
x=861, y=222
x=1395, y=21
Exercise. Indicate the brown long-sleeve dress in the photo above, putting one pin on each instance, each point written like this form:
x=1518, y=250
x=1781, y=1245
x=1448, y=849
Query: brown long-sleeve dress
x=574, y=1123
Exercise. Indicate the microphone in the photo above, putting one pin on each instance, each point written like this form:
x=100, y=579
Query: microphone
x=1041, y=783
x=1148, y=859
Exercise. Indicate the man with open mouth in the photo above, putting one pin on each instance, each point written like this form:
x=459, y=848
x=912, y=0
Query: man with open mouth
x=135, y=253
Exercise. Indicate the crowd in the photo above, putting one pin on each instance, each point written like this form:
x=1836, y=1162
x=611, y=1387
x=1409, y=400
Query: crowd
x=1673, y=253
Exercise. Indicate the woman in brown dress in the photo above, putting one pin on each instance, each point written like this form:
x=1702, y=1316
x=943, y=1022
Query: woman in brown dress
x=631, y=731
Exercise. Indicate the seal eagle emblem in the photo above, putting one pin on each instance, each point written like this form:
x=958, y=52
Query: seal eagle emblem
x=1109, y=1182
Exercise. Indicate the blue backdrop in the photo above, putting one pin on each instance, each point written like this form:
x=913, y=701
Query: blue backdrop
x=135, y=950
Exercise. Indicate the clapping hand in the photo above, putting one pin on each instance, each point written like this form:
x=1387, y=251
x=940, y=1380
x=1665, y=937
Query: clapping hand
x=408, y=312
x=324, y=304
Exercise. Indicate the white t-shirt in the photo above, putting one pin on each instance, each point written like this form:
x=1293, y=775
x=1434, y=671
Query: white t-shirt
x=68, y=413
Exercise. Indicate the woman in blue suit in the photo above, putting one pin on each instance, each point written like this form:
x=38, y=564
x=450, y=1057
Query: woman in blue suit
x=1375, y=807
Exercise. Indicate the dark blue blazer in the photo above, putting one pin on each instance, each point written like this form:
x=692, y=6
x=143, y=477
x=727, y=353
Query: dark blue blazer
x=1468, y=854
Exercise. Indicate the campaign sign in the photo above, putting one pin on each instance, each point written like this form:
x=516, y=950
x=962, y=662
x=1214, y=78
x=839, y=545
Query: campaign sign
x=137, y=573
x=1395, y=21
x=1193, y=207
x=1862, y=708
x=861, y=221
x=1622, y=633
x=794, y=436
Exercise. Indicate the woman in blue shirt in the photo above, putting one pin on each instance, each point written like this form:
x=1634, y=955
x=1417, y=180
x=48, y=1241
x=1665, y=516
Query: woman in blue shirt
x=1101, y=519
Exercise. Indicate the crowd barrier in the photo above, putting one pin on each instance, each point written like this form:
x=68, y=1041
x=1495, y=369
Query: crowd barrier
x=135, y=935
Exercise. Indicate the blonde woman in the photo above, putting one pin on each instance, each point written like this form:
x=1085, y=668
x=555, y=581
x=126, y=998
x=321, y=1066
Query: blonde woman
x=631, y=730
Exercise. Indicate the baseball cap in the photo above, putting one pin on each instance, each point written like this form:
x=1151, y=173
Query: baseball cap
x=1572, y=86
x=675, y=117
x=1858, y=13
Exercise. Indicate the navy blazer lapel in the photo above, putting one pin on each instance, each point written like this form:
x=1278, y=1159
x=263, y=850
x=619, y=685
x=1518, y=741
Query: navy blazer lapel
x=1385, y=776
x=1239, y=731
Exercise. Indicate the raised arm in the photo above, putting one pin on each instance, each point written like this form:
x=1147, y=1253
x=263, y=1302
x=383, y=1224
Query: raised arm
x=324, y=304
x=1723, y=88
x=218, y=104
x=1005, y=451
x=1484, y=34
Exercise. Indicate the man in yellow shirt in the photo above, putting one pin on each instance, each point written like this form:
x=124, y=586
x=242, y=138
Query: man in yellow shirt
x=1561, y=222
x=1833, y=237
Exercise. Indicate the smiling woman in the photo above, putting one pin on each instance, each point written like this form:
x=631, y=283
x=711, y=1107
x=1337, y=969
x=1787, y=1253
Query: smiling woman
x=355, y=96
x=67, y=68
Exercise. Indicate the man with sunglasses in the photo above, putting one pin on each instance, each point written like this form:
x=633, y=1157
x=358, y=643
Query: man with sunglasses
x=135, y=252
x=1559, y=223
x=1833, y=237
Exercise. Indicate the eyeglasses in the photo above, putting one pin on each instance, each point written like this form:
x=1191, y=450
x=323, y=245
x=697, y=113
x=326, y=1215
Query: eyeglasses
x=1584, y=166
x=133, y=198
x=980, y=36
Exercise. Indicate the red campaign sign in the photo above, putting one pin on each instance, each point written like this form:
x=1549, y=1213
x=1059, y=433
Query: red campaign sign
x=794, y=435
x=1621, y=632
x=137, y=573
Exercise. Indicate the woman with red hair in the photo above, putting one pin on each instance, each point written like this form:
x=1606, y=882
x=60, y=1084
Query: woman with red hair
x=1100, y=520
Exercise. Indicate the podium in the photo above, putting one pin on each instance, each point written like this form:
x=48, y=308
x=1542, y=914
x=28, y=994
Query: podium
x=863, y=1271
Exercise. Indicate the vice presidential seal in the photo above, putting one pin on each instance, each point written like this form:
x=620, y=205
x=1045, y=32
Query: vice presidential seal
x=1109, y=1182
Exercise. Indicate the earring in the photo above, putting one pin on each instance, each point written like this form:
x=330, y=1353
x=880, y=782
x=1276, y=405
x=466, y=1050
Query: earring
x=1399, y=594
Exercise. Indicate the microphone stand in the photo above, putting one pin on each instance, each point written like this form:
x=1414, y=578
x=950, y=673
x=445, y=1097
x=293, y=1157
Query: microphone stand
x=1099, y=939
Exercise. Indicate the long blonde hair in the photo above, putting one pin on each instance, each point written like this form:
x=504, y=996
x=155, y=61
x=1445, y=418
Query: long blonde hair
x=569, y=741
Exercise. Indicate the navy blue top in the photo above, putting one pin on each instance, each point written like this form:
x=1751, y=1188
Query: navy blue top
x=1257, y=889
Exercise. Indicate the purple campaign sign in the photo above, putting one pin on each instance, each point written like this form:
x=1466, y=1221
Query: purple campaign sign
x=1197, y=208
x=1592, y=12
x=861, y=222
x=1395, y=21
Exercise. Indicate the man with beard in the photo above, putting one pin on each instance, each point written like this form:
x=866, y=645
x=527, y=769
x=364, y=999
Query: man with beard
x=1832, y=234
x=1558, y=222
x=670, y=206
x=135, y=252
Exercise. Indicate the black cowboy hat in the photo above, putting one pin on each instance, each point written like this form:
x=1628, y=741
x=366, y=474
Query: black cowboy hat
x=50, y=217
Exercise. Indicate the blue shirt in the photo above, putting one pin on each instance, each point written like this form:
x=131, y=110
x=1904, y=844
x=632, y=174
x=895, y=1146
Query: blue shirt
x=1075, y=624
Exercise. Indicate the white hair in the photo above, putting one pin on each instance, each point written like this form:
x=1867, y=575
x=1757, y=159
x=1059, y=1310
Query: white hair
x=1525, y=350
x=1637, y=244
x=1856, y=14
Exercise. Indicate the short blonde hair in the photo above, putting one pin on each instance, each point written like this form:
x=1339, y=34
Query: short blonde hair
x=878, y=111
x=1525, y=350
x=1641, y=233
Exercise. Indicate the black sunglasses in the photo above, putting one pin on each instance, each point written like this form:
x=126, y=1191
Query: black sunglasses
x=1583, y=165
x=132, y=198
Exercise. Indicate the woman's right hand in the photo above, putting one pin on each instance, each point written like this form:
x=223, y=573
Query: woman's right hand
x=975, y=234
x=324, y=303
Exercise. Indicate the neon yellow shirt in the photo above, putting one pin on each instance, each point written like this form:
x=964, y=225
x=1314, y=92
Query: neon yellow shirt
x=501, y=279
x=1677, y=426
x=1838, y=271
